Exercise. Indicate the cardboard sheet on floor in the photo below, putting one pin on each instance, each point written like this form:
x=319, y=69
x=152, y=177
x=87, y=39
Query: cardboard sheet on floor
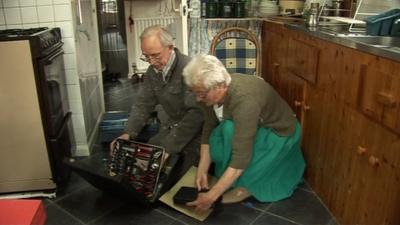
x=186, y=180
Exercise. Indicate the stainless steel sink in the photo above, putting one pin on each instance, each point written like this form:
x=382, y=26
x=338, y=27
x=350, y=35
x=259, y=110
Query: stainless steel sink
x=377, y=41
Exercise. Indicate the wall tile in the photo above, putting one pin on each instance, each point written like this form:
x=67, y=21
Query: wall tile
x=75, y=106
x=69, y=45
x=10, y=3
x=15, y=26
x=48, y=24
x=46, y=13
x=29, y=15
x=30, y=25
x=74, y=92
x=12, y=15
x=66, y=29
x=79, y=130
x=57, y=2
x=27, y=3
x=69, y=61
x=44, y=2
x=71, y=76
x=3, y=27
x=62, y=12
x=2, y=17
x=80, y=136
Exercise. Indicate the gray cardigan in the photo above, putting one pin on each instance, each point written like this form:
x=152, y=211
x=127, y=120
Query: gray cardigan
x=185, y=116
x=250, y=102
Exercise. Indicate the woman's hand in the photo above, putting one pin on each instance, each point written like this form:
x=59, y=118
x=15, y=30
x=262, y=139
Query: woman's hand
x=204, y=201
x=202, y=181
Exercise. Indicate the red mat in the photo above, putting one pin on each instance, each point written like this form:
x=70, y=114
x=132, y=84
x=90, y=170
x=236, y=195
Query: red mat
x=22, y=212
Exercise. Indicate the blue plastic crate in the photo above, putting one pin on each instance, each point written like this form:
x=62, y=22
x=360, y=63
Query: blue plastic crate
x=381, y=25
x=108, y=136
x=112, y=125
x=112, y=120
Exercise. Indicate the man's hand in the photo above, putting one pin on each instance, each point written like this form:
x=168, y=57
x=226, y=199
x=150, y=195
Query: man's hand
x=124, y=136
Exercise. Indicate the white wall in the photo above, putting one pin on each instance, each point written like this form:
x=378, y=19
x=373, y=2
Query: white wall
x=81, y=58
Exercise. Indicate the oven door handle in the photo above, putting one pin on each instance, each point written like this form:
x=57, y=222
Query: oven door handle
x=55, y=55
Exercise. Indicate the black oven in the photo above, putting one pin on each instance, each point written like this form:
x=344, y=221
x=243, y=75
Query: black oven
x=47, y=59
x=55, y=105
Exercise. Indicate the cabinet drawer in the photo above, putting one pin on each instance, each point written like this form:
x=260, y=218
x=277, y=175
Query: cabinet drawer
x=303, y=59
x=379, y=96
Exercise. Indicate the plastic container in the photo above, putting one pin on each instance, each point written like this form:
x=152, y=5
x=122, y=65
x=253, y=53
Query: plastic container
x=381, y=25
x=112, y=125
x=395, y=28
x=196, y=8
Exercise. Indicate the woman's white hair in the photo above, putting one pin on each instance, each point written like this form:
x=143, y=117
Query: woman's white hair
x=163, y=34
x=206, y=71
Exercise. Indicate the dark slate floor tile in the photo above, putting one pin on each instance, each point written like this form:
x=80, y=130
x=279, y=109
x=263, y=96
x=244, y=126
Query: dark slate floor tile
x=332, y=222
x=272, y=220
x=177, y=222
x=75, y=183
x=304, y=185
x=58, y=216
x=230, y=214
x=131, y=214
x=303, y=207
x=89, y=203
x=254, y=203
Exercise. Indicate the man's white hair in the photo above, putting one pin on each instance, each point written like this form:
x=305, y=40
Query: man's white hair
x=163, y=34
x=206, y=71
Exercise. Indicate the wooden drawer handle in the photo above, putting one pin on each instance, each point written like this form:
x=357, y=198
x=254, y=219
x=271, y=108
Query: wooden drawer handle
x=386, y=99
x=306, y=107
x=276, y=64
x=361, y=150
x=373, y=161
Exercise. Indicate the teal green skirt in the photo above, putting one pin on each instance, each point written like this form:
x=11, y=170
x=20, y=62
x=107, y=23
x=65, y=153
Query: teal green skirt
x=276, y=166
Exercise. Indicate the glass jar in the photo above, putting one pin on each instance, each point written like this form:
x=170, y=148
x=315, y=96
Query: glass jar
x=239, y=8
x=211, y=9
x=226, y=9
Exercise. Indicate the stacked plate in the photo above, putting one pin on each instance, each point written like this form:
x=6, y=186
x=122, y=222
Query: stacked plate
x=268, y=8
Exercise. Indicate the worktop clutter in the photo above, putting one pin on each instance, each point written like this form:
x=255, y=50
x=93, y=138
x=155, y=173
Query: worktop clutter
x=244, y=8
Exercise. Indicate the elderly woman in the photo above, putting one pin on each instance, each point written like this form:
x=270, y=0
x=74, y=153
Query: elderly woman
x=250, y=133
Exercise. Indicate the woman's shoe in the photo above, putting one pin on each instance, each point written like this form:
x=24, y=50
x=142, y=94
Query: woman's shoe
x=235, y=195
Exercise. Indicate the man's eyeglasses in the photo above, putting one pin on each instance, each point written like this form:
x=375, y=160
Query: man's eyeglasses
x=147, y=58
x=155, y=56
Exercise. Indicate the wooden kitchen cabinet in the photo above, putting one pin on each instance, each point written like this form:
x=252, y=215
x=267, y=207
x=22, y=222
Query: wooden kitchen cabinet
x=275, y=70
x=274, y=59
x=379, y=96
x=348, y=103
x=302, y=59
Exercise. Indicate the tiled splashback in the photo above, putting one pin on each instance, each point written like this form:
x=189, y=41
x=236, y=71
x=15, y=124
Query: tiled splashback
x=60, y=13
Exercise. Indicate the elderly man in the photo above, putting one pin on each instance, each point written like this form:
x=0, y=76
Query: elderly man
x=163, y=85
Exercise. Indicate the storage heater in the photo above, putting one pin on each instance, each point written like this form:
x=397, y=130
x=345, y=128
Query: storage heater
x=142, y=23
